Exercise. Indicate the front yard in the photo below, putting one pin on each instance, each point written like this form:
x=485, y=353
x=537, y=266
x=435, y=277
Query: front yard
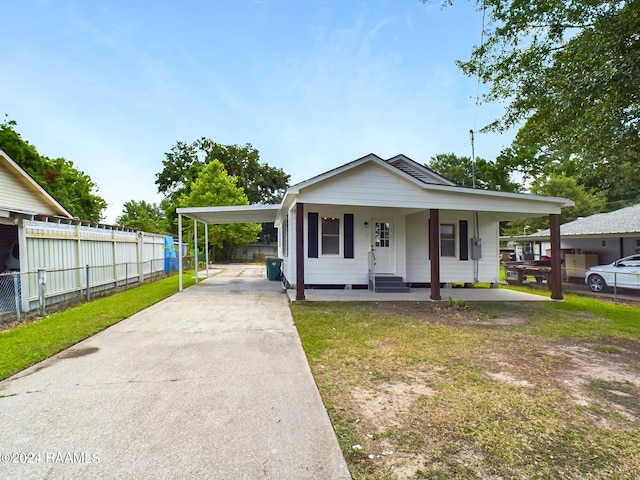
x=485, y=391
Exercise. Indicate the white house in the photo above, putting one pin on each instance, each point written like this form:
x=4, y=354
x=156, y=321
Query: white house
x=371, y=219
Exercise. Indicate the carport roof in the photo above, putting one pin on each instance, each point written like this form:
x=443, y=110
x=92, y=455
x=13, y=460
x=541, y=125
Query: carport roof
x=232, y=214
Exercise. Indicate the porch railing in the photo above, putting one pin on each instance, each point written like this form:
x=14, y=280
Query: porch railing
x=372, y=271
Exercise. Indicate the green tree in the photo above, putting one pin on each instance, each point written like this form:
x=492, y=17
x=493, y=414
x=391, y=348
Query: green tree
x=72, y=188
x=569, y=70
x=214, y=187
x=262, y=184
x=586, y=203
x=143, y=216
x=489, y=175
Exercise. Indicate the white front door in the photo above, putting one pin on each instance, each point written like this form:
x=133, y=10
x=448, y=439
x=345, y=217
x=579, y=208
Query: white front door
x=382, y=245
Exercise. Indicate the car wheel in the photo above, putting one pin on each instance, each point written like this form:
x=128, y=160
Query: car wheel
x=596, y=283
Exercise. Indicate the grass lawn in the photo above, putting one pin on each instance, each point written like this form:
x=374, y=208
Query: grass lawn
x=423, y=390
x=28, y=344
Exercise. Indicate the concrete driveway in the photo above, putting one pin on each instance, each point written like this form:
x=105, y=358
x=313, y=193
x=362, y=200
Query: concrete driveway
x=210, y=383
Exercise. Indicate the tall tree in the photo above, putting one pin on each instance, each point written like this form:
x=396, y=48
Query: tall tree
x=214, y=187
x=72, y=188
x=586, y=203
x=262, y=183
x=489, y=175
x=142, y=216
x=569, y=70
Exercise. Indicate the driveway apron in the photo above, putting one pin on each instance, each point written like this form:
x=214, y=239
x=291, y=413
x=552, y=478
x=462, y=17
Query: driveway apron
x=209, y=383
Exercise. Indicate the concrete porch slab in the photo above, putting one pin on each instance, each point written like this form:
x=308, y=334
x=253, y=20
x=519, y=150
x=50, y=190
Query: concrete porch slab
x=420, y=295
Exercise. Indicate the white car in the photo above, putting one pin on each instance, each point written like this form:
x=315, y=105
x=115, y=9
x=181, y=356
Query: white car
x=624, y=273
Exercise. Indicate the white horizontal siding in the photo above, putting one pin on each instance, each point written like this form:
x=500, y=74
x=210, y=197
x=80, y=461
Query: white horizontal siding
x=335, y=269
x=367, y=185
x=489, y=264
x=410, y=237
x=418, y=267
x=16, y=195
x=372, y=185
x=452, y=269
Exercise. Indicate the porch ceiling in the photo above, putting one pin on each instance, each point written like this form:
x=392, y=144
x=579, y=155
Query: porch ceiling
x=232, y=214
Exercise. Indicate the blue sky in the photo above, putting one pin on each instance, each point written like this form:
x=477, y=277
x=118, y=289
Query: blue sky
x=311, y=84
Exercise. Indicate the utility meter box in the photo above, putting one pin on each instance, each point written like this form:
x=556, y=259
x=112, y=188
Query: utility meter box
x=476, y=248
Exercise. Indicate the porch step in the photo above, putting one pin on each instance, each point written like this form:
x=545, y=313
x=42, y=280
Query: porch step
x=390, y=284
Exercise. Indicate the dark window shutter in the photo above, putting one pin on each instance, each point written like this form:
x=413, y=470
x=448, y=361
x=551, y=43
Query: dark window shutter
x=348, y=235
x=312, y=238
x=464, y=240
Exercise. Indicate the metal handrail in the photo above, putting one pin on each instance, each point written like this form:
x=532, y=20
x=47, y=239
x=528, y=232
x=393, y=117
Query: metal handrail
x=372, y=270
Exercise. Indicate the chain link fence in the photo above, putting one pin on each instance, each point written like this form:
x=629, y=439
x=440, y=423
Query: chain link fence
x=10, y=295
x=31, y=293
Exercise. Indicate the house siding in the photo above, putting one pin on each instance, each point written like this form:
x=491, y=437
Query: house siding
x=372, y=185
x=336, y=269
x=410, y=237
x=17, y=196
x=452, y=269
x=366, y=185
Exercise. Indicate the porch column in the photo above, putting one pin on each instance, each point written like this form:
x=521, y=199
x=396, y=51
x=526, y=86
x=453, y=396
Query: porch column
x=299, y=251
x=556, y=260
x=434, y=252
x=179, y=253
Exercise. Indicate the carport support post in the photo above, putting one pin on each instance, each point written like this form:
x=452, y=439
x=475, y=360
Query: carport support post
x=179, y=252
x=299, y=251
x=195, y=246
x=556, y=260
x=206, y=250
x=434, y=252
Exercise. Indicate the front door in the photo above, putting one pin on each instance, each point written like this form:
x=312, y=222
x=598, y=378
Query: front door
x=382, y=244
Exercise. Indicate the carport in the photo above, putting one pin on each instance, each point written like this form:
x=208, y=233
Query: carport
x=218, y=216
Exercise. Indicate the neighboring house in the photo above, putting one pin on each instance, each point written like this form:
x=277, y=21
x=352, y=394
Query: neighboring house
x=20, y=196
x=594, y=240
x=37, y=233
x=395, y=217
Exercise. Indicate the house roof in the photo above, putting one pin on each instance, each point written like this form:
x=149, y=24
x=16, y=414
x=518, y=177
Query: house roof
x=442, y=192
x=417, y=171
x=625, y=221
x=24, y=195
x=400, y=164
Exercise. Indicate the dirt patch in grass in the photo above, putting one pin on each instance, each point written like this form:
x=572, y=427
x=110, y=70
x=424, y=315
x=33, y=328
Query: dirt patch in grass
x=10, y=323
x=456, y=313
x=601, y=380
x=445, y=390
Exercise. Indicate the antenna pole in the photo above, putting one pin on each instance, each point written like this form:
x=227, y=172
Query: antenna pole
x=473, y=161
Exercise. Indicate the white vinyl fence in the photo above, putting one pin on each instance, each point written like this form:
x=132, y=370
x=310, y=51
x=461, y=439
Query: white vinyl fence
x=60, y=262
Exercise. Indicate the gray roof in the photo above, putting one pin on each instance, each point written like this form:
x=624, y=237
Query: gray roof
x=623, y=221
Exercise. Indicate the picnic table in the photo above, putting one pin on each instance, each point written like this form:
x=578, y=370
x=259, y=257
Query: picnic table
x=516, y=273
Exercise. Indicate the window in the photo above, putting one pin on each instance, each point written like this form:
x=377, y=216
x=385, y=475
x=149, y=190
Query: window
x=330, y=236
x=447, y=240
x=382, y=232
x=285, y=238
